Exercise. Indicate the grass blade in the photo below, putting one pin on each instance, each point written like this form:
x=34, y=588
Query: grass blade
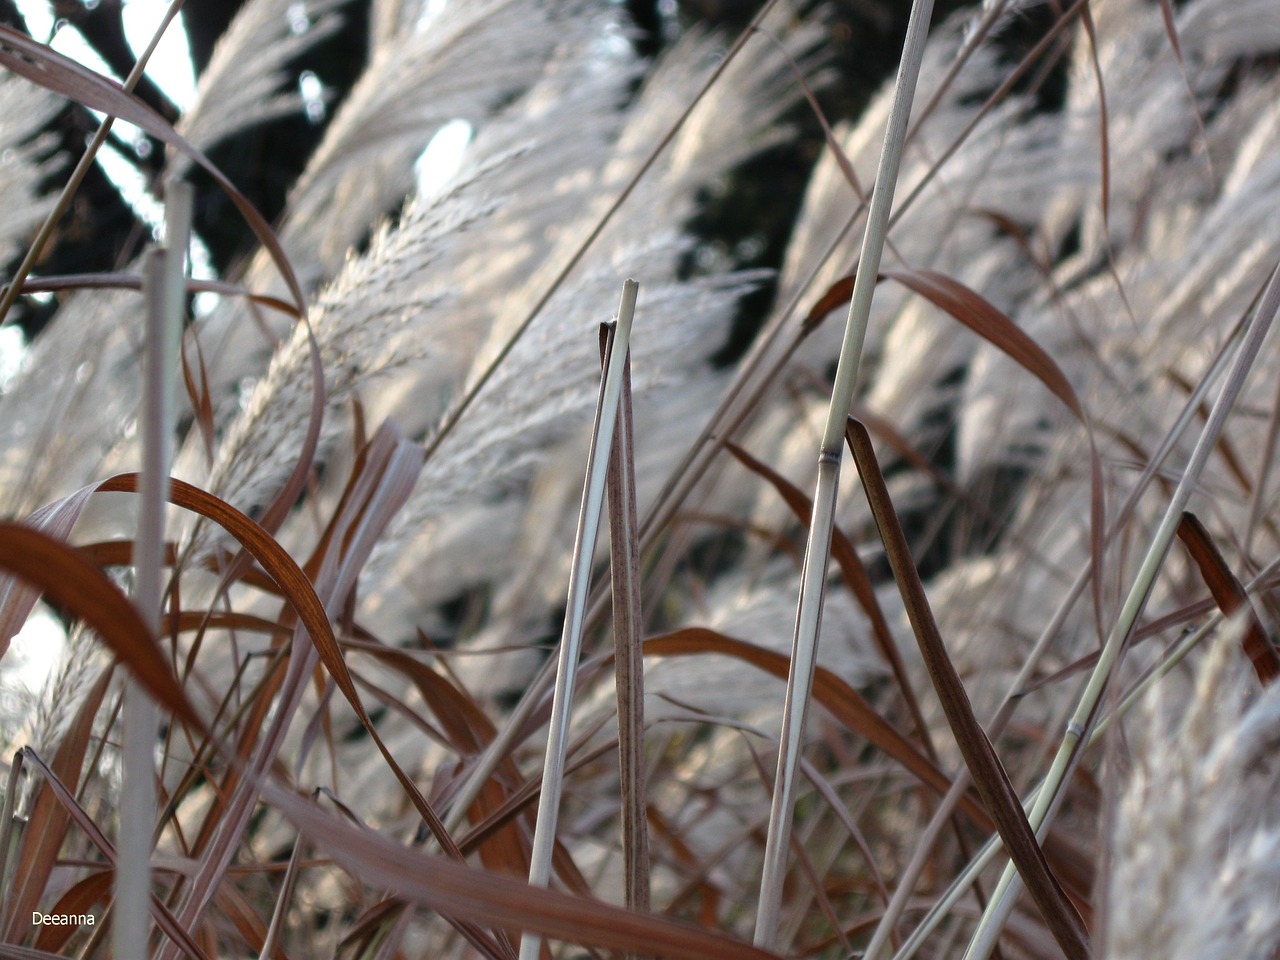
x=48, y=823
x=579, y=585
x=1078, y=727
x=988, y=773
x=1230, y=596
x=502, y=901
x=628, y=632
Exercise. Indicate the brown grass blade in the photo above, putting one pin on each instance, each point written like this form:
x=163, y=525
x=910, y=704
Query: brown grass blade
x=984, y=765
x=456, y=890
x=43, y=66
x=856, y=579
x=269, y=939
x=836, y=296
x=133, y=281
x=47, y=826
x=628, y=632
x=980, y=316
x=64, y=76
x=17, y=599
x=9, y=951
x=165, y=920
x=1230, y=596
x=977, y=313
x=82, y=589
x=841, y=700
x=81, y=898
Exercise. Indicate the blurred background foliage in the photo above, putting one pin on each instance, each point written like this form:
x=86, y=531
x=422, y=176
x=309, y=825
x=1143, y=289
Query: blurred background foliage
x=745, y=222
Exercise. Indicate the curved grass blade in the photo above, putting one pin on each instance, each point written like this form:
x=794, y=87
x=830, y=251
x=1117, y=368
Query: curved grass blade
x=456, y=890
x=75, y=584
x=48, y=823
x=164, y=917
x=984, y=765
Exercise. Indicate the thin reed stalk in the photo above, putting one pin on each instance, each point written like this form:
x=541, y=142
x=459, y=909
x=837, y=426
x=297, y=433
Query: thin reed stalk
x=804, y=647
x=10, y=291
x=602, y=437
x=165, y=293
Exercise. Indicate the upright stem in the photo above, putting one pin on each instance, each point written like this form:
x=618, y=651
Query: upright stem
x=544, y=834
x=804, y=646
x=165, y=292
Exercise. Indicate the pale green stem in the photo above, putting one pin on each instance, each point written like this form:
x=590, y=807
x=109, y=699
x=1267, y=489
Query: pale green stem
x=1002, y=901
x=878, y=947
x=544, y=834
x=804, y=647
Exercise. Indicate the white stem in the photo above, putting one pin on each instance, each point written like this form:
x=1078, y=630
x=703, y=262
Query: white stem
x=544, y=834
x=165, y=295
x=804, y=645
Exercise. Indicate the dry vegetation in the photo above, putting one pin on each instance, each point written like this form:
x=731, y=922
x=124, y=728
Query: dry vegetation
x=383, y=432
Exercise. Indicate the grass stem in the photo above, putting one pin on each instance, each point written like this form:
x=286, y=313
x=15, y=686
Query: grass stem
x=818, y=546
x=165, y=294
x=1001, y=906
x=544, y=836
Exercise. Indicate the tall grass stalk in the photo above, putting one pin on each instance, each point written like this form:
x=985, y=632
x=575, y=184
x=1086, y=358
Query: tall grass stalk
x=165, y=294
x=570, y=649
x=813, y=576
x=998, y=911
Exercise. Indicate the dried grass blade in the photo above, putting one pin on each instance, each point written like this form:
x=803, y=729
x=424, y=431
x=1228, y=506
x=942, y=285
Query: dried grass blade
x=9, y=951
x=53, y=71
x=37, y=248
x=1064, y=761
x=834, y=694
x=47, y=826
x=818, y=546
x=1230, y=596
x=17, y=599
x=457, y=890
x=270, y=942
x=43, y=66
x=7, y=820
x=628, y=632
x=579, y=585
x=164, y=918
x=980, y=316
x=81, y=898
x=856, y=579
x=71, y=581
x=984, y=766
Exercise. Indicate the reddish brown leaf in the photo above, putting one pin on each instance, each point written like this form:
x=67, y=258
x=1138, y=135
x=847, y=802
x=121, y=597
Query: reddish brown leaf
x=984, y=765
x=75, y=584
x=83, y=896
x=1230, y=596
x=459, y=891
x=843, y=701
x=47, y=826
